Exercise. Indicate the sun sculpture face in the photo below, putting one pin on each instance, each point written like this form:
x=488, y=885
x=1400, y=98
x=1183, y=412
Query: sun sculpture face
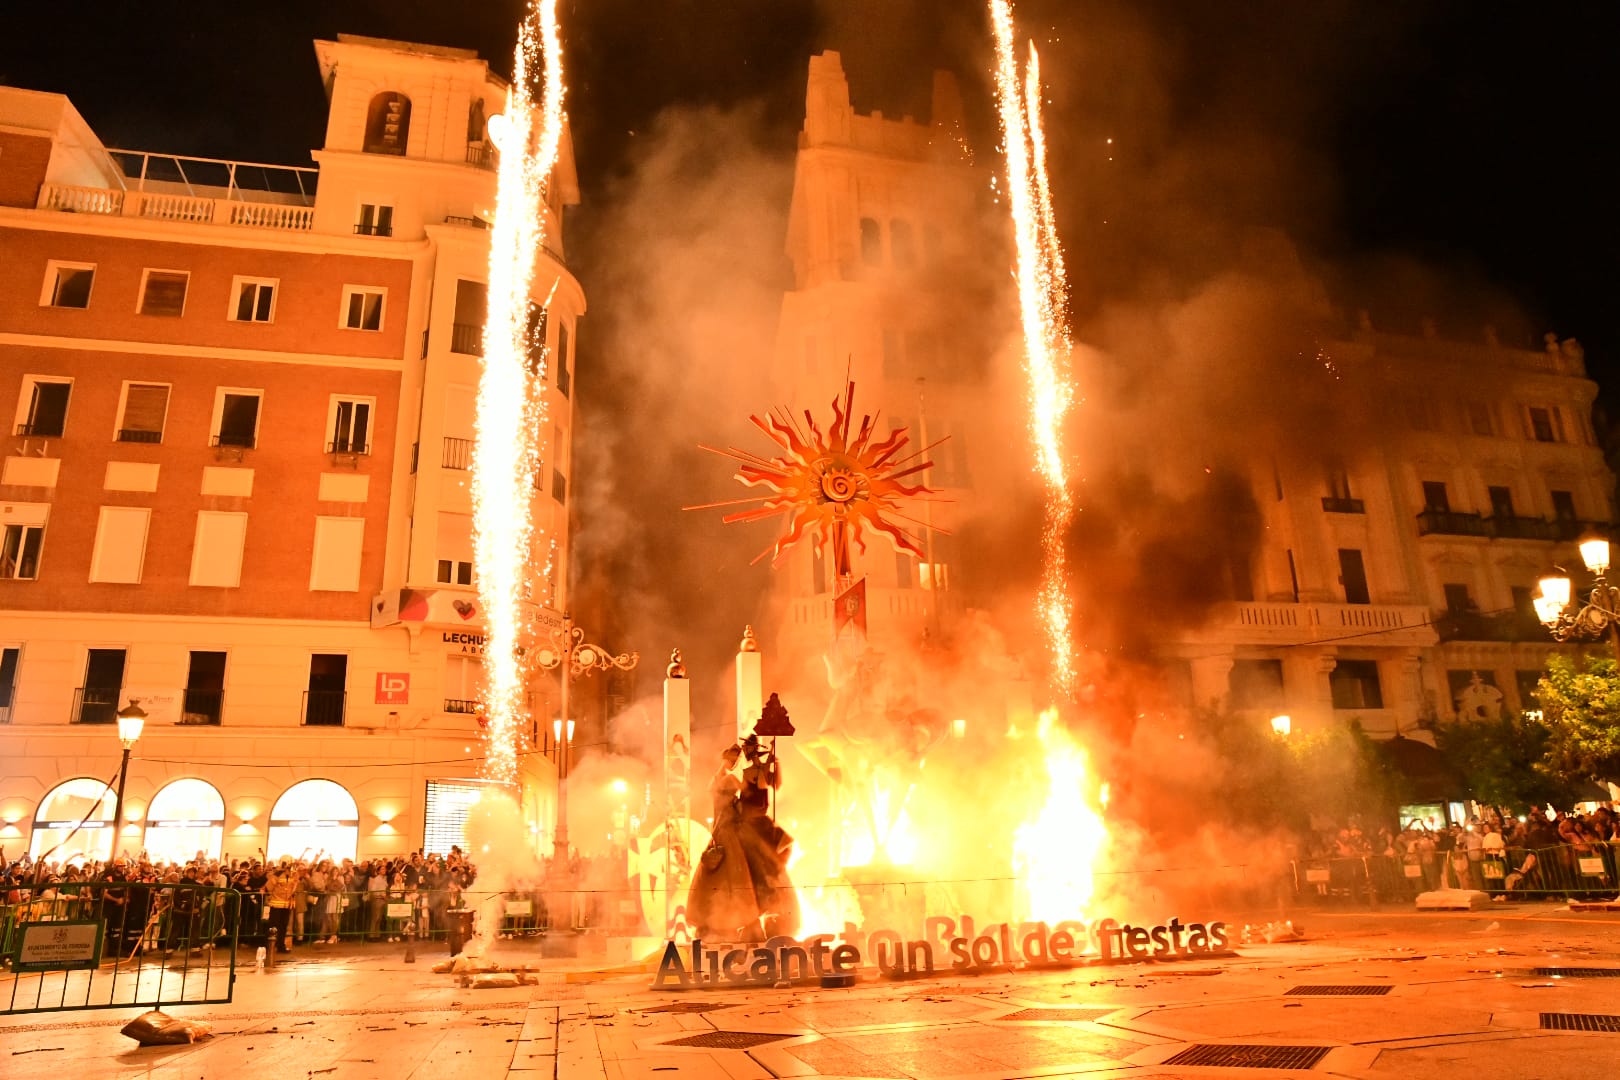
x=831, y=487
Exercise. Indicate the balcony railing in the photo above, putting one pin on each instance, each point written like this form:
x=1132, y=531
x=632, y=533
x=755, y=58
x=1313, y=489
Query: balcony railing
x=467, y=339
x=40, y=431
x=348, y=446
x=1451, y=523
x=324, y=708
x=463, y=706
x=1335, y=505
x=164, y=206
x=131, y=435
x=239, y=440
x=374, y=230
x=481, y=155
x=203, y=706
x=96, y=704
x=457, y=454
x=1523, y=528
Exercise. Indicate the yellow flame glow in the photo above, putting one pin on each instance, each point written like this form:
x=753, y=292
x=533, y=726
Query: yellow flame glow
x=1042, y=294
x=510, y=410
x=1054, y=852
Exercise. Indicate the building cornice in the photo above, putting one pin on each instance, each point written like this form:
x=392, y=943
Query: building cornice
x=207, y=352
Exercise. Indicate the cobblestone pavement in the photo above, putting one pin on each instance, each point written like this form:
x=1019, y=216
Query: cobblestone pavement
x=1408, y=995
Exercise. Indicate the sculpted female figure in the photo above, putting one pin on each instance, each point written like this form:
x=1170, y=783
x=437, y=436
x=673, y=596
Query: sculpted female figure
x=721, y=904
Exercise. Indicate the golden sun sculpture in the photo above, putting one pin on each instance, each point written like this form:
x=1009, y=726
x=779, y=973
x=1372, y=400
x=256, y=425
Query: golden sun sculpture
x=833, y=487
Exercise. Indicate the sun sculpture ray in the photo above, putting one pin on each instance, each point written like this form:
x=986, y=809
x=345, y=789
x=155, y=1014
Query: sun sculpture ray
x=832, y=486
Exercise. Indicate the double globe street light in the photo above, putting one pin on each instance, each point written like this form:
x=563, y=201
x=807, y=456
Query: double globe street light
x=1599, y=613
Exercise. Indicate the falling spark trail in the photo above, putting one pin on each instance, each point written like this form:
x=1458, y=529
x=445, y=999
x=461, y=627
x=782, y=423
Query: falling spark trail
x=510, y=410
x=1042, y=294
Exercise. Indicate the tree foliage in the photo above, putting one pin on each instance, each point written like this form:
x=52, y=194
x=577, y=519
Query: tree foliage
x=1580, y=705
x=1503, y=760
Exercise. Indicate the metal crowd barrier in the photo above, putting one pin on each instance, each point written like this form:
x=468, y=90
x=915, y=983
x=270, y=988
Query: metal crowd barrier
x=1577, y=871
x=108, y=945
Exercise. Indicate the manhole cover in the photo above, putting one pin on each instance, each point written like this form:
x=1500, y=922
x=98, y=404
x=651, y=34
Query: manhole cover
x=1338, y=991
x=1580, y=1022
x=1577, y=973
x=1058, y=1014
x=686, y=1007
x=728, y=1040
x=1221, y=1056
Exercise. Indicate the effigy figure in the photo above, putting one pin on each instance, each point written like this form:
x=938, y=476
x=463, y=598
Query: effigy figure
x=767, y=845
x=741, y=891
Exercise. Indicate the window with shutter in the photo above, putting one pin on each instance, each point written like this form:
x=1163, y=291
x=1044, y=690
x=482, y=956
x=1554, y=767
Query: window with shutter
x=145, y=406
x=164, y=293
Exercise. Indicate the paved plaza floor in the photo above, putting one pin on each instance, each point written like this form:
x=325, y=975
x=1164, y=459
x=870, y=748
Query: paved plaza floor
x=1407, y=995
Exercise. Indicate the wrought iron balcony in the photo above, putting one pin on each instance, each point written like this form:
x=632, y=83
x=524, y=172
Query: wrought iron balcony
x=1523, y=528
x=96, y=704
x=203, y=706
x=1451, y=523
x=1335, y=505
x=47, y=430
x=1511, y=626
x=374, y=230
x=324, y=708
x=131, y=435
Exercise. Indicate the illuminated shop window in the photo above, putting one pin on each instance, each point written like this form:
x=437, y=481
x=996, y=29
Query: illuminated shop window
x=69, y=803
x=186, y=819
x=314, y=818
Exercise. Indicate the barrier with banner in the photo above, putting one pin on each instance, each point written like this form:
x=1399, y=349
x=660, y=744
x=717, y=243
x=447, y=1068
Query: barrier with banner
x=113, y=945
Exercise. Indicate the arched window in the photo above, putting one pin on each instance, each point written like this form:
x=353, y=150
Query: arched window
x=185, y=819
x=388, y=123
x=312, y=817
x=68, y=803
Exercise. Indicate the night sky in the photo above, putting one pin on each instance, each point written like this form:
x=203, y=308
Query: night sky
x=1460, y=138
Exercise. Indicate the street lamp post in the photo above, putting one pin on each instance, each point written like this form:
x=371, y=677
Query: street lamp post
x=131, y=719
x=569, y=652
x=1598, y=614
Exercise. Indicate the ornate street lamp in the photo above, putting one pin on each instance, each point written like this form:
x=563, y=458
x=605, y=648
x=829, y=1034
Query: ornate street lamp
x=131, y=719
x=570, y=652
x=1599, y=613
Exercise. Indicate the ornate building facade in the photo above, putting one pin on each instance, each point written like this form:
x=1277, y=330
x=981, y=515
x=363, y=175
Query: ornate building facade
x=235, y=487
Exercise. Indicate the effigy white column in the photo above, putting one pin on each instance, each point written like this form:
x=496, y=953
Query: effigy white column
x=677, y=789
x=750, y=684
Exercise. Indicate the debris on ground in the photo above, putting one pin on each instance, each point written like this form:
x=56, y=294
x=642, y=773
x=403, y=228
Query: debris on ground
x=156, y=1028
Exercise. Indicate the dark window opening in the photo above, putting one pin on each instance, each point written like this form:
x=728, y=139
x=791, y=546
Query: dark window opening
x=8, y=678
x=564, y=379
x=47, y=409
x=1458, y=600
x=205, y=688
x=871, y=242
x=19, y=551
x=1353, y=576
x=103, y=683
x=239, y=420
x=1355, y=685
x=472, y=309
x=1563, y=506
x=72, y=287
x=1541, y=425
x=328, y=683
x=351, y=428
x=1435, y=499
x=1256, y=684
x=1501, y=502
